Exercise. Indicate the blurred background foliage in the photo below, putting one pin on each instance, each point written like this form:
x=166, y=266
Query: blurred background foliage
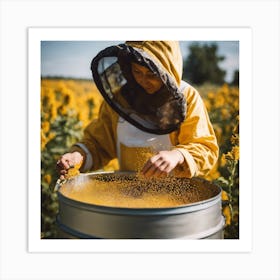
x=68, y=105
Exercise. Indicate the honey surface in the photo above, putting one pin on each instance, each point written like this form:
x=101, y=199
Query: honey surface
x=136, y=193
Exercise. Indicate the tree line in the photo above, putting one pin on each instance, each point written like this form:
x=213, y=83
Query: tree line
x=202, y=66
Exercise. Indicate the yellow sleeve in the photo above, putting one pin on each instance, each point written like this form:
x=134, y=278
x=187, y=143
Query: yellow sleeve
x=195, y=139
x=98, y=145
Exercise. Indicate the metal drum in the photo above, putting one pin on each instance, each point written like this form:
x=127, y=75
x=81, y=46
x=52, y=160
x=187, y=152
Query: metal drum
x=201, y=219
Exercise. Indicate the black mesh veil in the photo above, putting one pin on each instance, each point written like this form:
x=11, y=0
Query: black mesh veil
x=158, y=113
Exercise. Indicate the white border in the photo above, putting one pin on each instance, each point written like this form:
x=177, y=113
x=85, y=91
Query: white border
x=243, y=35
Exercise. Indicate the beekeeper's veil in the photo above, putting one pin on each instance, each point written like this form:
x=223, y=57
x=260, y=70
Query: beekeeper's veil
x=158, y=113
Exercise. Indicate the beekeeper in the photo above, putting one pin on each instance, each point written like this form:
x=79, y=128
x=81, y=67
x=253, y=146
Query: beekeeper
x=150, y=119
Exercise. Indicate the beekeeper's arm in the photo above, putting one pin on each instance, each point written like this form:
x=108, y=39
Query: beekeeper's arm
x=98, y=145
x=196, y=139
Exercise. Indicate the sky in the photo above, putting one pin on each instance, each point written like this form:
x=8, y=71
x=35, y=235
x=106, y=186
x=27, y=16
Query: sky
x=73, y=58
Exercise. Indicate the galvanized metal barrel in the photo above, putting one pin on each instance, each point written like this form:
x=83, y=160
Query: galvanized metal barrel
x=199, y=220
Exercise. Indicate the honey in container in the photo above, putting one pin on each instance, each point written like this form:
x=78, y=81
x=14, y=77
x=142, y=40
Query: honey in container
x=134, y=158
x=135, y=192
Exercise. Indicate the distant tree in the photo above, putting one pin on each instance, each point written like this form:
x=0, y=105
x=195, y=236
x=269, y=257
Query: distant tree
x=202, y=66
x=235, y=79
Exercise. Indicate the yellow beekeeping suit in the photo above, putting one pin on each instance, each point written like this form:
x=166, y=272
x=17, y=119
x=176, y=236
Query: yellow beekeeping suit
x=195, y=138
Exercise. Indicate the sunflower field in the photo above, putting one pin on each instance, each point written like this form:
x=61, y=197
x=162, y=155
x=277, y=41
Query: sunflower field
x=68, y=105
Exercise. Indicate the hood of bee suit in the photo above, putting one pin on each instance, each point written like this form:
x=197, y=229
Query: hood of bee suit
x=161, y=112
x=165, y=53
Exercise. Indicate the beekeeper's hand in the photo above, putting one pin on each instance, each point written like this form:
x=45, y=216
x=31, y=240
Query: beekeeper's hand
x=162, y=163
x=67, y=161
